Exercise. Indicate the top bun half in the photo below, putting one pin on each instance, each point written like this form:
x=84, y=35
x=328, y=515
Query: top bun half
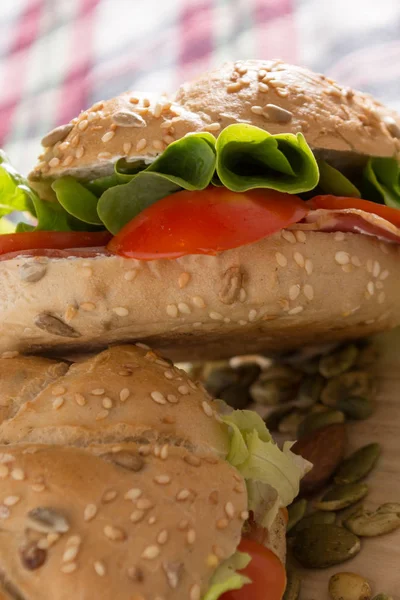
x=269, y=94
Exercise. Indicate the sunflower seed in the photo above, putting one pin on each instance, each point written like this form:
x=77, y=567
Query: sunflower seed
x=370, y=524
x=56, y=135
x=356, y=407
x=358, y=464
x=296, y=511
x=338, y=362
x=231, y=285
x=349, y=586
x=353, y=383
x=127, y=460
x=51, y=324
x=316, y=421
x=293, y=585
x=125, y=118
x=321, y=546
x=318, y=517
x=32, y=272
x=47, y=520
x=342, y=496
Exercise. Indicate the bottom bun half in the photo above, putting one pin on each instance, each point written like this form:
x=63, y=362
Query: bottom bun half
x=279, y=293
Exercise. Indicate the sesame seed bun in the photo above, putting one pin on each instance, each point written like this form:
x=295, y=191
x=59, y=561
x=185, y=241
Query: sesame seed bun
x=287, y=290
x=272, y=95
x=139, y=504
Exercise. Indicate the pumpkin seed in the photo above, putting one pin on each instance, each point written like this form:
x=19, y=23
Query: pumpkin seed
x=311, y=366
x=356, y=407
x=296, y=511
x=316, y=421
x=382, y=597
x=309, y=391
x=236, y=396
x=358, y=464
x=367, y=356
x=391, y=507
x=271, y=392
x=341, y=496
x=321, y=546
x=290, y=422
x=344, y=514
x=221, y=378
x=293, y=585
x=273, y=419
x=353, y=383
x=319, y=517
x=281, y=371
x=349, y=586
x=370, y=524
x=338, y=362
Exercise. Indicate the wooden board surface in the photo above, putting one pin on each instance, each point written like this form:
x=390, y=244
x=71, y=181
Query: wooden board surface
x=379, y=559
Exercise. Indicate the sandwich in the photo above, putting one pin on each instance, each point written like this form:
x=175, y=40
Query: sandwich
x=121, y=478
x=255, y=209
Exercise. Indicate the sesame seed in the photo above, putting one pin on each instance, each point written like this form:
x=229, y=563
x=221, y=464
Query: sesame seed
x=379, y=285
x=252, y=315
x=192, y=460
x=370, y=288
x=137, y=516
x=133, y=494
x=54, y=162
x=158, y=397
x=151, y=520
x=58, y=390
x=244, y=515
x=183, y=525
x=207, y=409
x=162, y=479
x=109, y=496
x=342, y=258
x=158, y=145
x=38, y=487
x=107, y=403
x=222, y=523
x=70, y=553
x=104, y=155
x=257, y=110
x=370, y=265
x=299, y=259
x=90, y=512
x=164, y=450
x=11, y=500
x=103, y=414
x=384, y=247
x=130, y=275
x=10, y=354
x=162, y=537
x=263, y=87
x=229, y=510
x=183, y=280
x=296, y=310
x=151, y=552
x=215, y=316
x=281, y=259
x=191, y=536
x=183, y=389
x=168, y=374
x=121, y=311
x=184, y=308
x=355, y=261
x=98, y=392
x=308, y=266
x=69, y=568
x=124, y=394
x=99, y=568
x=238, y=488
x=58, y=402
x=233, y=87
x=294, y=291
x=339, y=236
x=141, y=145
x=308, y=291
x=108, y=136
x=183, y=495
x=172, y=310
x=384, y=275
x=288, y=236
x=172, y=399
x=80, y=152
x=300, y=236
x=4, y=512
x=198, y=302
x=114, y=533
x=88, y=306
x=381, y=298
x=144, y=504
x=4, y=471
x=70, y=313
x=67, y=161
x=242, y=322
x=18, y=474
x=195, y=592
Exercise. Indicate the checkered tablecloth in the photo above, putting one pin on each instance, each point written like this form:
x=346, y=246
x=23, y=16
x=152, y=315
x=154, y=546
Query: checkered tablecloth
x=59, y=56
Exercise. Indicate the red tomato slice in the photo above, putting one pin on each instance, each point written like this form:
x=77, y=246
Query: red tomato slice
x=206, y=222
x=266, y=572
x=341, y=202
x=36, y=240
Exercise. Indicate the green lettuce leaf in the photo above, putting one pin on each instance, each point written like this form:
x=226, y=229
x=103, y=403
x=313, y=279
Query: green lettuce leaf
x=382, y=178
x=272, y=475
x=226, y=577
x=77, y=200
x=248, y=157
x=188, y=163
x=15, y=193
x=332, y=181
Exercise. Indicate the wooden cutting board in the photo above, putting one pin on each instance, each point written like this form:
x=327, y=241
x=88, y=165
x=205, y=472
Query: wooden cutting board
x=379, y=559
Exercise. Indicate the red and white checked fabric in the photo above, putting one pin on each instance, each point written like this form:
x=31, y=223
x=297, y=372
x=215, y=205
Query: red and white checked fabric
x=59, y=56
